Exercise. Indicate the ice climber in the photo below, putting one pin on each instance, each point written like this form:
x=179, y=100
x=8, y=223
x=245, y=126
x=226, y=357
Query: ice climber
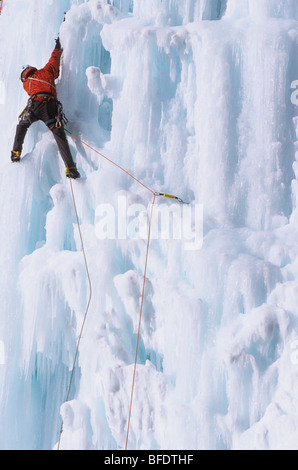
x=43, y=105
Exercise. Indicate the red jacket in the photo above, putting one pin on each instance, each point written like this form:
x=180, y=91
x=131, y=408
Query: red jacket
x=43, y=80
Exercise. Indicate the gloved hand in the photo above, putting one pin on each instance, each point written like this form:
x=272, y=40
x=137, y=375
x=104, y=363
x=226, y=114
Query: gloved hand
x=58, y=44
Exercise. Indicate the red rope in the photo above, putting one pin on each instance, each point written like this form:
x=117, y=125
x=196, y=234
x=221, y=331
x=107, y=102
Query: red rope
x=1, y=5
x=111, y=161
x=144, y=275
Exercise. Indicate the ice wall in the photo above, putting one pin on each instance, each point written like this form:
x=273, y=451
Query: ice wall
x=194, y=98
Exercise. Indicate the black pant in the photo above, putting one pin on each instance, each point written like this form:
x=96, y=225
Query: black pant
x=44, y=111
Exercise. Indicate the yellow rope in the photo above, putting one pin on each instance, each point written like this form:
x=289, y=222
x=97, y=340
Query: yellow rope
x=155, y=194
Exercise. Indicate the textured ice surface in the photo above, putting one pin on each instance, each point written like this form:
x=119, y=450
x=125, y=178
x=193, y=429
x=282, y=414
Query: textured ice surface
x=194, y=98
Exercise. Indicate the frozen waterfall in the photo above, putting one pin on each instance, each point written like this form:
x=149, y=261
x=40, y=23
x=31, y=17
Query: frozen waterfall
x=196, y=98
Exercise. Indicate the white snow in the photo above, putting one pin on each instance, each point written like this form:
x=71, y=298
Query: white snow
x=196, y=98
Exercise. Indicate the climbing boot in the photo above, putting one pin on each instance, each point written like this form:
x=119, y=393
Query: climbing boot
x=15, y=156
x=72, y=172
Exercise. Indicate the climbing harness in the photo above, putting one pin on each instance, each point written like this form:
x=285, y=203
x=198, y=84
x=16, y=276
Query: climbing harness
x=155, y=194
x=46, y=96
x=59, y=120
x=27, y=113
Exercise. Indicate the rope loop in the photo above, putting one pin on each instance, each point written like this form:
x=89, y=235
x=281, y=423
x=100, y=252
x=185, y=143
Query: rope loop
x=155, y=194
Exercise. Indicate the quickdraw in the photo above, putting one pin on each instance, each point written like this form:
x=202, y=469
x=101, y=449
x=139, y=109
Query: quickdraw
x=170, y=196
x=61, y=119
x=27, y=114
